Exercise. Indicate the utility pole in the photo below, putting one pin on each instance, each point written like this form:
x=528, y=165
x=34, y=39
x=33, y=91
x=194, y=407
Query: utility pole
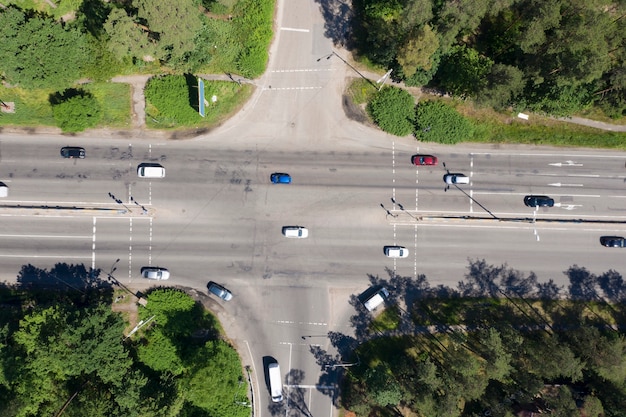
x=382, y=79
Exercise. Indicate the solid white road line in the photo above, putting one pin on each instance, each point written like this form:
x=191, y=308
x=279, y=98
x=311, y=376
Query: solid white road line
x=294, y=29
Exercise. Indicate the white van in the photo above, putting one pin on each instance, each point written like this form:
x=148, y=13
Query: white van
x=4, y=189
x=146, y=170
x=376, y=299
x=276, y=385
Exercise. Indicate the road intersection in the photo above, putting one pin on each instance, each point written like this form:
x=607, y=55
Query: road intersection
x=216, y=216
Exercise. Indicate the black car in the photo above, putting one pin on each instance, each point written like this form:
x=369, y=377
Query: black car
x=72, y=152
x=613, y=241
x=538, y=201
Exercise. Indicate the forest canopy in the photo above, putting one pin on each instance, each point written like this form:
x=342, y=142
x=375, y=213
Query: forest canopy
x=557, y=57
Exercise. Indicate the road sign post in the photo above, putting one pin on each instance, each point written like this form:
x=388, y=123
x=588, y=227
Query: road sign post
x=201, y=102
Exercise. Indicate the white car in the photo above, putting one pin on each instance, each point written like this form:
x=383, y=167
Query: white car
x=396, y=251
x=456, y=179
x=376, y=299
x=155, y=272
x=297, y=232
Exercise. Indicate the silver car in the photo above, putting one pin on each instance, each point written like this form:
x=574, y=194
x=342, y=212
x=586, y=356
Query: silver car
x=155, y=272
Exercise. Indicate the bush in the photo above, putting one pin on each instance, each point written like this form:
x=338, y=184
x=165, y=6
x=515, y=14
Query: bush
x=393, y=110
x=75, y=110
x=253, y=21
x=437, y=122
x=171, y=96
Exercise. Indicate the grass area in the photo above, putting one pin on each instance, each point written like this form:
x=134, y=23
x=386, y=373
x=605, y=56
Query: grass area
x=471, y=311
x=32, y=107
x=229, y=97
x=115, y=101
x=493, y=127
x=387, y=320
x=361, y=91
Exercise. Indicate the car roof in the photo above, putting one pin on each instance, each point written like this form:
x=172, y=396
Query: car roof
x=280, y=177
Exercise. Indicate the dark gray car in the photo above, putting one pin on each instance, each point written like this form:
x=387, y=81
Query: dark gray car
x=538, y=201
x=221, y=292
x=613, y=241
x=73, y=152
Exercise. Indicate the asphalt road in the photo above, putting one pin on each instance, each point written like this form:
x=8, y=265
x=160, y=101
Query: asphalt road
x=216, y=217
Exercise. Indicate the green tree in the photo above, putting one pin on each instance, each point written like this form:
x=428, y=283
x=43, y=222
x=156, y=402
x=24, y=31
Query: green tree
x=127, y=38
x=604, y=354
x=417, y=51
x=38, y=52
x=540, y=18
x=550, y=359
x=497, y=358
x=393, y=110
x=464, y=71
x=173, y=25
x=564, y=48
x=435, y=121
x=504, y=86
x=75, y=110
x=380, y=33
x=561, y=402
x=458, y=18
x=592, y=407
x=159, y=353
x=416, y=13
x=172, y=309
x=382, y=386
x=217, y=370
x=465, y=375
x=61, y=350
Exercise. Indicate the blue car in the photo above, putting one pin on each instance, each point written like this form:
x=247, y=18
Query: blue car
x=280, y=178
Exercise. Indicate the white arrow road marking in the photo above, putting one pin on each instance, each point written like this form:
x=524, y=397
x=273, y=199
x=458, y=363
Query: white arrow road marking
x=567, y=163
x=567, y=206
x=558, y=184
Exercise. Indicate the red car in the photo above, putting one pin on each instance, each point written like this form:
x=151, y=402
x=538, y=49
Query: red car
x=424, y=160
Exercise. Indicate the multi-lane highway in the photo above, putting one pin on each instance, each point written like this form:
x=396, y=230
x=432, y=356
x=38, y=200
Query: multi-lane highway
x=216, y=216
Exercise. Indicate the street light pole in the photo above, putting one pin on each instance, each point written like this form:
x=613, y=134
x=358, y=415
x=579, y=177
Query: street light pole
x=344, y=365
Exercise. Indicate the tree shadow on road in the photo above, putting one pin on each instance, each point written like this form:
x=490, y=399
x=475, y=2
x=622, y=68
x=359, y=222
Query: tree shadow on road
x=75, y=282
x=487, y=294
x=338, y=17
